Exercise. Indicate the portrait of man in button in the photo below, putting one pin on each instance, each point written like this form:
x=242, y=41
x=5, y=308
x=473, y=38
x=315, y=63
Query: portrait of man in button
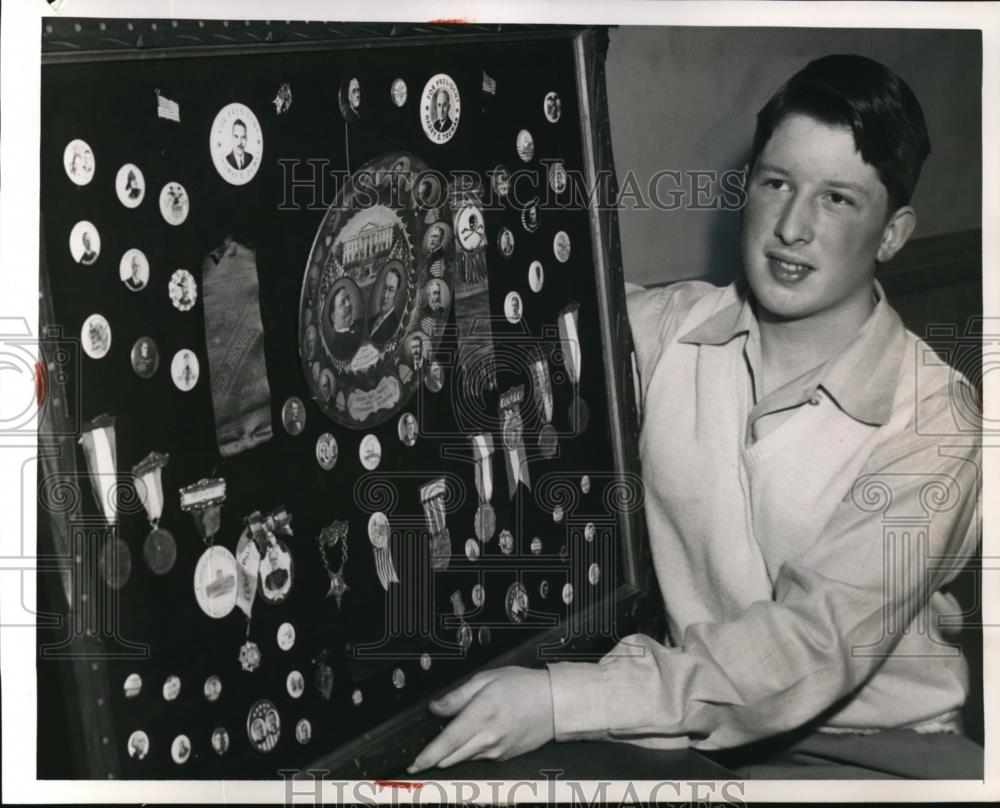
x=327, y=384
x=239, y=158
x=138, y=745
x=387, y=320
x=138, y=274
x=438, y=298
x=220, y=741
x=302, y=732
x=349, y=100
x=89, y=254
x=344, y=333
x=408, y=428
x=415, y=351
x=436, y=242
x=442, y=111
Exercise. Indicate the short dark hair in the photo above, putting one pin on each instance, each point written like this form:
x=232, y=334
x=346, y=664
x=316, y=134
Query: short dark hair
x=877, y=106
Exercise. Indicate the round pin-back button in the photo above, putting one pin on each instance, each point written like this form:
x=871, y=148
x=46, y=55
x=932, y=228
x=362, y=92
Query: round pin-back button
x=286, y=636
x=500, y=179
x=548, y=441
x=370, y=452
x=478, y=595
x=398, y=679
x=174, y=203
x=212, y=689
x=561, y=246
x=440, y=108
x=130, y=185
x=145, y=357
x=357, y=697
x=425, y=662
x=138, y=745
x=85, y=243
x=276, y=572
x=133, y=270
x=293, y=416
x=516, y=602
x=589, y=531
x=295, y=684
x=183, y=290
x=78, y=160
x=263, y=725
x=486, y=522
x=513, y=308
x=567, y=594
x=558, y=514
x=184, y=369
x=406, y=429
x=536, y=276
x=530, y=216
x=536, y=546
x=132, y=686
x=525, y=146
x=215, y=582
x=159, y=551
x=171, y=688
x=236, y=143
x=543, y=589
x=585, y=484
x=506, y=542
x=465, y=637
x=485, y=635
x=220, y=740
x=398, y=92
x=95, y=335
x=378, y=530
x=505, y=242
x=303, y=731
x=326, y=451
x=552, y=106
x=594, y=574
x=557, y=176
x=472, y=550
x=115, y=563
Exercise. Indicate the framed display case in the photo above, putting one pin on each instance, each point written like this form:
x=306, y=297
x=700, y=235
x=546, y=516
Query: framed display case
x=339, y=399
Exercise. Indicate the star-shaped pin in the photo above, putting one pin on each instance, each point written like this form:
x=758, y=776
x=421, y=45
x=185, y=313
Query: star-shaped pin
x=338, y=586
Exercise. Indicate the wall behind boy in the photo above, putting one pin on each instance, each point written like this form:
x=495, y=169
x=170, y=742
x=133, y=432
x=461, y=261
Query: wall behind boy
x=686, y=99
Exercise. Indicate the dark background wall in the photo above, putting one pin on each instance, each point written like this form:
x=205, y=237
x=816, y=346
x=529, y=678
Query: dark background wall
x=686, y=99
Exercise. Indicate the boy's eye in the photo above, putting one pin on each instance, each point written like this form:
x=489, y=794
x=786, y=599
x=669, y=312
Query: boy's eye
x=775, y=183
x=840, y=199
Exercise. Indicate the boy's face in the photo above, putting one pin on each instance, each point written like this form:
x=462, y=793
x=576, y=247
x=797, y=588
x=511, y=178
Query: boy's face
x=815, y=219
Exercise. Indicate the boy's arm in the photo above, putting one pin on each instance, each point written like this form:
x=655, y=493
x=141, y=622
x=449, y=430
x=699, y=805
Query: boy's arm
x=786, y=660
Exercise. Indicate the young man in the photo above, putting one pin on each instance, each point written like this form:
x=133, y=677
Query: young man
x=798, y=487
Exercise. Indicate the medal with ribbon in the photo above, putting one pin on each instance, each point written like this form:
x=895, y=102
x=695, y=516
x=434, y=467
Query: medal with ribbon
x=486, y=519
x=159, y=549
x=513, y=439
x=548, y=440
x=215, y=574
x=464, y=633
x=432, y=496
x=100, y=451
x=378, y=535
x=333, y=535
x=572, y=360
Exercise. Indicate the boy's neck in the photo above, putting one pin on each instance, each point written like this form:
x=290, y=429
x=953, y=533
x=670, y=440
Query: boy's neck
x=790, y=348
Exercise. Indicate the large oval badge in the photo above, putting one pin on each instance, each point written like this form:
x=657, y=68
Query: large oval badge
x=236, y=143
x=440, y=108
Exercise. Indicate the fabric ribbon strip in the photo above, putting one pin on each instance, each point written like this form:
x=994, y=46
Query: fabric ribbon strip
x=543, y=388
x=472, y=292
x=432, y=497
x=482, y=447
x=234, y=338
x=99, y=450
x=570, y=341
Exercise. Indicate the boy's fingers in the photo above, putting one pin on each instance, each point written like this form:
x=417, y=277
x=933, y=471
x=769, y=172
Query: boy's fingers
x=460, y=696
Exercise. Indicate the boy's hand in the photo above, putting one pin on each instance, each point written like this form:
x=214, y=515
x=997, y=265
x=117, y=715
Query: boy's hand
x=500, y=714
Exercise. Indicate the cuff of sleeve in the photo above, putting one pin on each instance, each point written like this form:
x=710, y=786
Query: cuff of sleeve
x=577, y=700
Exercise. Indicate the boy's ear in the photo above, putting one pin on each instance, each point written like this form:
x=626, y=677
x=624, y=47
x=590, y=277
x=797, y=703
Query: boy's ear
x=897, y=232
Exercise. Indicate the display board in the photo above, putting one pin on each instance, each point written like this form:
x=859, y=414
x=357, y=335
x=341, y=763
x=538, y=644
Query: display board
x=348, y=409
